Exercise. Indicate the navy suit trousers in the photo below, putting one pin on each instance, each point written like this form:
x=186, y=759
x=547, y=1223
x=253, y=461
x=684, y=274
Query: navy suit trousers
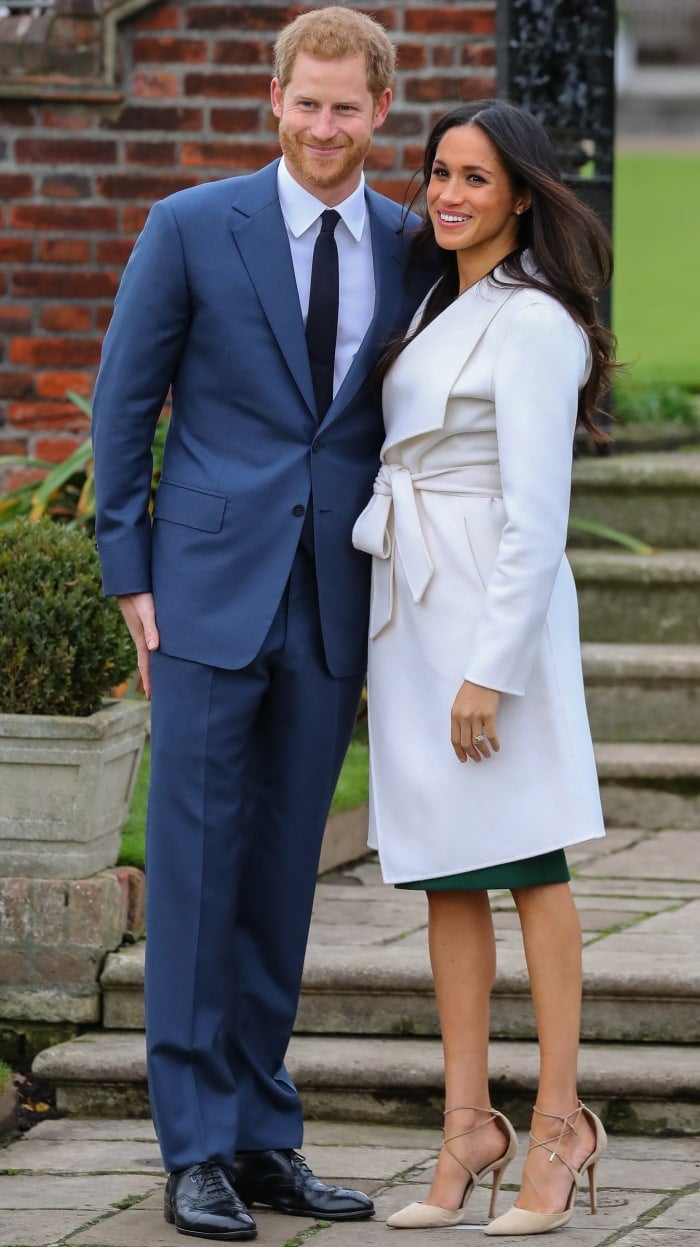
x=244, y=765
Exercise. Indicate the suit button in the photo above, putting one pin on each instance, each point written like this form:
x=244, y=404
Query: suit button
x=298, y=509
x=315, y=446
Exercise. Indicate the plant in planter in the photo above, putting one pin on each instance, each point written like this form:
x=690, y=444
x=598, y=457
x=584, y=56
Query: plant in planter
x=68, y=759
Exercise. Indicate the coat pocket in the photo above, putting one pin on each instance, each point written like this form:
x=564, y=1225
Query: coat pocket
x=483, y=527
x=195, y=508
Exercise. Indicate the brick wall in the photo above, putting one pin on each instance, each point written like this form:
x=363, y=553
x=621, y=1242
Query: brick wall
x=78, y=172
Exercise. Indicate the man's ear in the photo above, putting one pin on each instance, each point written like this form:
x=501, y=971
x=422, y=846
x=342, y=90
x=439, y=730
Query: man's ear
x=276, y=97
x=382, y=106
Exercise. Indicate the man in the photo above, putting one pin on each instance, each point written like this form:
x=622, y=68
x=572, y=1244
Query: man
x=245, y=599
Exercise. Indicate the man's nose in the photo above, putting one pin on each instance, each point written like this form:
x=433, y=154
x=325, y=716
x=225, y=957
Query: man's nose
x=324, y=125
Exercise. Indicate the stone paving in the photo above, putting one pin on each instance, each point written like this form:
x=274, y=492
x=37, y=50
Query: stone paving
x=99, y=1184
x=88, y=1183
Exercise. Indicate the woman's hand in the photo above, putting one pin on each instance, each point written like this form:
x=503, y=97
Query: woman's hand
x=473, y=722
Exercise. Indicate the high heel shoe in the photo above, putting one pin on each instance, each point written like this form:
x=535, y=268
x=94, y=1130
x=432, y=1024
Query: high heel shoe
x=431, y=1216
x=521, y=1220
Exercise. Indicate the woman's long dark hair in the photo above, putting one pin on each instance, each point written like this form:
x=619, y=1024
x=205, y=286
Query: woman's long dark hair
x=566, y=241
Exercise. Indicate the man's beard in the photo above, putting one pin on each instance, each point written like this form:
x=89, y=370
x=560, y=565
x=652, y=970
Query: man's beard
x=324, y=173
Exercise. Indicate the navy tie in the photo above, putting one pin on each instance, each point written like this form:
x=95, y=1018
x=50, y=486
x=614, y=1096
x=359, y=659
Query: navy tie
x=322, y=320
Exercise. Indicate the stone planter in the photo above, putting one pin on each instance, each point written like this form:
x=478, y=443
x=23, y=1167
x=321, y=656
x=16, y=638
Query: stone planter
x=66, y=785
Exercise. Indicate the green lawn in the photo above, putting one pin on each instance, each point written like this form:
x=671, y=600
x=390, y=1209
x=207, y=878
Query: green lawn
x=351, y=791
x=657, y=266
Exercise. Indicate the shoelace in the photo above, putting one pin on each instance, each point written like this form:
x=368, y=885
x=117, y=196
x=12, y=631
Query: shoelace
x=210, y=1179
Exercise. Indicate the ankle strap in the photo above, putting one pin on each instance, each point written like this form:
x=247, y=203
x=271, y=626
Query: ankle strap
x=566, y=1124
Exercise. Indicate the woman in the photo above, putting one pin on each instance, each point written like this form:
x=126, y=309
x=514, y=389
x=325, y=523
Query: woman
x=482, y=765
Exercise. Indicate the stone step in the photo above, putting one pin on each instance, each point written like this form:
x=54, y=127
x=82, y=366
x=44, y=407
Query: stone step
x=369, y=991
x=654, y=497
x=649, y=786
x=640, y=1089
x=654, y=598
x=643, y=692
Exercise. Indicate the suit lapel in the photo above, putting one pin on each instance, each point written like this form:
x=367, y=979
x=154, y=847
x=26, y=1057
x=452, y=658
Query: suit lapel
x=418, y=387
x=261, y=237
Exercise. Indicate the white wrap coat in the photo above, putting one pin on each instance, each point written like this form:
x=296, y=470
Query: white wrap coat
x=467, y=527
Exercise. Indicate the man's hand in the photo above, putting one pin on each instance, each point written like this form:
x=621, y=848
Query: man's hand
x=140, y=615
x=473, y=722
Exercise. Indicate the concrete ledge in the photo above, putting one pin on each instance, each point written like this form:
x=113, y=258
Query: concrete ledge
x=643, y=692
x=642, y=1089
x=345, y=838
x=656, y=595
x=654, y=497
x=650, y=786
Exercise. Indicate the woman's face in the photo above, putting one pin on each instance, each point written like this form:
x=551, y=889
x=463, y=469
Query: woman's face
x=472, y=205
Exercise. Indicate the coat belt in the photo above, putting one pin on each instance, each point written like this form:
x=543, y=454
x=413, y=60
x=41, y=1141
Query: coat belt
x=395, y=493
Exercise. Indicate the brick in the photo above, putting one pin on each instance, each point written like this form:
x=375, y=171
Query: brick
x=150, y=154
x=12, y=969
x=443, y=56
x=235, y=120
x=228, y=155
x=15, y=318
x=62, y=968
x=59, y=352
x=65, y=119
x=164, y=17
x=16, y=185
x=47, y=901
x=63, y=250
x=16, y=385
x=169, y=51
x=380, y=157
x=66, y=151
x=14, y=910
x=73, y=220
x=143, y=186
x=66, y=186
x=411, y=55
x=482, y=55
x=57, y=384
x=66, y=318
x=16, y=250
x=113, y=251
x=52, y=284
x=97, y=911
x=228, y=86
x=103, y=316
x=412, y=156
x=56, y=449
x=393, y=188
x=45, y=415
x=403, y=125
x=147, y=85
x=135, y=117
x=133, y=883
x=8, y=447
x=16, y=478
x=15, y=115
x=456, y=20
x=451, y=90
x=133, y=218
x=240, y=52
x=227, y=17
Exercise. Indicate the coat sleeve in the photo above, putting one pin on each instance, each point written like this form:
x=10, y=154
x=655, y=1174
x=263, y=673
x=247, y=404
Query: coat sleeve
x=540, y=367
x=140, y=354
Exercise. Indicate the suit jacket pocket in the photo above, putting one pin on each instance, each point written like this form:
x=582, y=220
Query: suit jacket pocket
x=195, y=508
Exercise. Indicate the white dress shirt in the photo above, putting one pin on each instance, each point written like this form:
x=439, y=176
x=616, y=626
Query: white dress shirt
x=302, y=217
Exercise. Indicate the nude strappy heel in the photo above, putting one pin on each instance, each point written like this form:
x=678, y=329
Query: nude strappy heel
x=421, y=1216
x=520, y=1220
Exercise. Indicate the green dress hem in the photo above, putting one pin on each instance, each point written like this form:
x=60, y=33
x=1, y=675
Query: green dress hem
x=527, y=873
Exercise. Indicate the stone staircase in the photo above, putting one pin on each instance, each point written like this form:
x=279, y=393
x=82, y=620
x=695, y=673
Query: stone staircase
x=366, y=1045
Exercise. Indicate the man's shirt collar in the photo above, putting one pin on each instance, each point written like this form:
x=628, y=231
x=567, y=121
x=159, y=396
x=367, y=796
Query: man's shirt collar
x=301, y=209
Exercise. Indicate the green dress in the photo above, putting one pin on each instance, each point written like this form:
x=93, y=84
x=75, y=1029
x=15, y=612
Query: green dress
x=527, y=873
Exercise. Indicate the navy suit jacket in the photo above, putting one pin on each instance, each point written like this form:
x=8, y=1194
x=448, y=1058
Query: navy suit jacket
x=208, y=304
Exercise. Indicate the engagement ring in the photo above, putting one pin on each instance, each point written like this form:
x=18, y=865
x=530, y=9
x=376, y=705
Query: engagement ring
x=481, y=736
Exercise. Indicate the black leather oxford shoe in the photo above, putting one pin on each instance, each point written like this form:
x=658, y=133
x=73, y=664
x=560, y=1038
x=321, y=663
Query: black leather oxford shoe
x=282, y=1180
x=201, y=1201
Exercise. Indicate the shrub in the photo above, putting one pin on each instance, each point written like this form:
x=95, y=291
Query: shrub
x=62, y=645
x=643, y=402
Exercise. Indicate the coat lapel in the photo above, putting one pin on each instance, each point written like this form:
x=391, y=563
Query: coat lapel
x=438, y=355
x=261, y=238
